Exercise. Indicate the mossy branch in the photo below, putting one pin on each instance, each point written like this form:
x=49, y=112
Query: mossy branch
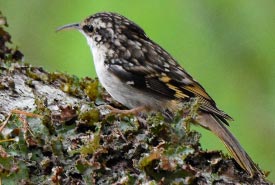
x=75, y=141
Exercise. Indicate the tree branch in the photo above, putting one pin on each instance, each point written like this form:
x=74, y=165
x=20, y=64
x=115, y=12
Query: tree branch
x=76, y=141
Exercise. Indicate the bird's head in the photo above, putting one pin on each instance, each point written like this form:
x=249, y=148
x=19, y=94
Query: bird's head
x=108, y=30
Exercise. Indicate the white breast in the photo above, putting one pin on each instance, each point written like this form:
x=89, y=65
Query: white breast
x=120, y=91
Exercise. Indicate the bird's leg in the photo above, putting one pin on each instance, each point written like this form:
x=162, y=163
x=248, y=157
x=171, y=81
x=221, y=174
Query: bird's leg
x=133, y=111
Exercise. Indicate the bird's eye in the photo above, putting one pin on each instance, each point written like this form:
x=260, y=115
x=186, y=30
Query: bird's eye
x=88, y=28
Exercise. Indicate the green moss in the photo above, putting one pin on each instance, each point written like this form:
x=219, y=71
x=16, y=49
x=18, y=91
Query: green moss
x=36, y=74
x=90, y=117
x=18, y=172
x=57, y=146
x=90, y=87
x=91, y=146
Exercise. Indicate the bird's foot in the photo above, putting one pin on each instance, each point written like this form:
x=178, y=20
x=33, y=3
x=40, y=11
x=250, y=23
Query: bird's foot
x=134, y=111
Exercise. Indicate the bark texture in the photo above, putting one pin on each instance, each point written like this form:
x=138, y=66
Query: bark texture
x=55, y=129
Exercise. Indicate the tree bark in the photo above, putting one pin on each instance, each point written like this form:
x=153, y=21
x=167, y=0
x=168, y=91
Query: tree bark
x=55, y=129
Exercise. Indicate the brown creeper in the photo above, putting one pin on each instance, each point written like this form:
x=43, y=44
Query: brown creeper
x=140, y=74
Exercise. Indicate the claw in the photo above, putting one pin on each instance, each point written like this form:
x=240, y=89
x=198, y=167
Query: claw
x=134, y=111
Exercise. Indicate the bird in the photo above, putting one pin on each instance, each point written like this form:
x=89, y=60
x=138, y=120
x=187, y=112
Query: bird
x=141, y=75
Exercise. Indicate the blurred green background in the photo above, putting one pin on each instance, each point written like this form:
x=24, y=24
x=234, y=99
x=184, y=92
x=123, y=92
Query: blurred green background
x=228, y=46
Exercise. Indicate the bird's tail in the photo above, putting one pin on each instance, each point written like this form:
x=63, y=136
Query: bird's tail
x=218, y=128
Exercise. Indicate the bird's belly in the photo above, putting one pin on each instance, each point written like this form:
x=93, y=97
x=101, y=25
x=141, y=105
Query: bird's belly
x=125, y=94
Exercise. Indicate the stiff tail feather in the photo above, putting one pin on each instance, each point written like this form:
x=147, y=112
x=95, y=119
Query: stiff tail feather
x=218, y=128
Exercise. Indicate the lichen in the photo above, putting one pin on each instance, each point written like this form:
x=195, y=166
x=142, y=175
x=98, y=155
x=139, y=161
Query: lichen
x=72, y=139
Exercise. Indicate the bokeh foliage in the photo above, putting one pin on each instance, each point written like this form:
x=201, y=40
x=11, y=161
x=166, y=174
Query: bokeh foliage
x=226, y=45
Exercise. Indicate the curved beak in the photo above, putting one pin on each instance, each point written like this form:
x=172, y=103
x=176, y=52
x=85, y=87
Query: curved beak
x=69, y=27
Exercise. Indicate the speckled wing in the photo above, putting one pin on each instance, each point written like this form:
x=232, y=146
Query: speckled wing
x=141, y=77
x=184, y=84
x=168, y=84
x=146, y=66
